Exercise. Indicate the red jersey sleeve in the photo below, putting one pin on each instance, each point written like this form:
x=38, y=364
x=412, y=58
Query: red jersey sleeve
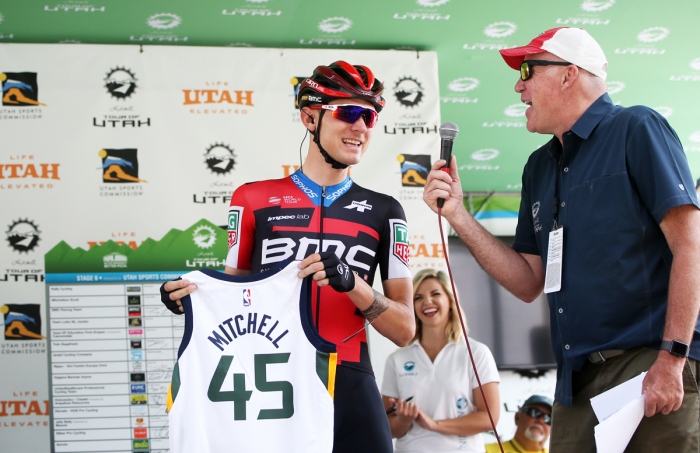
x=241, y=230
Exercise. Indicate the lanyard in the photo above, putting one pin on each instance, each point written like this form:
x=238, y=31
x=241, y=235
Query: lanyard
x=557, y=189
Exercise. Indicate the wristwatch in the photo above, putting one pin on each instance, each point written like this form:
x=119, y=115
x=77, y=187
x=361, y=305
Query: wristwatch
x=675, y=347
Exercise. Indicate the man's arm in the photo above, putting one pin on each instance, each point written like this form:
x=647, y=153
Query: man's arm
x=520, y=273
x=392, y=313
x=663, y=384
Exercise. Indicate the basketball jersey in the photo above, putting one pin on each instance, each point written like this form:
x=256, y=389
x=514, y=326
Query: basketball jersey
x=252, y=374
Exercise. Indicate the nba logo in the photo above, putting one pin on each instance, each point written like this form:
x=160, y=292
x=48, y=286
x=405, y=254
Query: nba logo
x=246, y=298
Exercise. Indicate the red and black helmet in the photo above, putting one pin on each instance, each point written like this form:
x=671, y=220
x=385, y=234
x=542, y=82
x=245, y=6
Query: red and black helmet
x=341, y=80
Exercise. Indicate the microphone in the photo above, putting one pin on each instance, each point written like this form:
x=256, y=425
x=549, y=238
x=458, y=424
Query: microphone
x=448, y=133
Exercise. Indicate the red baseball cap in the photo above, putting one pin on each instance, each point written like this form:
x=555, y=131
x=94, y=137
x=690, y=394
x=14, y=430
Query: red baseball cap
x=574, y=45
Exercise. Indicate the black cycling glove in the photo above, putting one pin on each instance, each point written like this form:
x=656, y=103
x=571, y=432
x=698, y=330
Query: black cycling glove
x=165, y=298
x=340, y=277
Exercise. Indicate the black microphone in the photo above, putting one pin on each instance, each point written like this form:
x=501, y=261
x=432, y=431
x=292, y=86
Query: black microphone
x=448, y=133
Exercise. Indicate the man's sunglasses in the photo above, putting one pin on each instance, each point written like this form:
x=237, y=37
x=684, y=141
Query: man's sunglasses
x=536, y=413
x=350, y=113
x=526, y=66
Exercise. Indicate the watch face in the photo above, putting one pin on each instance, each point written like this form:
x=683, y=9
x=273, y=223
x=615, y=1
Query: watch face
x=679, y=349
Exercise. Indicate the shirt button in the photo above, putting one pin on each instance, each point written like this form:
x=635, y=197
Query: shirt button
x=561, y=310
x=563, y=203
x=566, y=169
x=567, y=347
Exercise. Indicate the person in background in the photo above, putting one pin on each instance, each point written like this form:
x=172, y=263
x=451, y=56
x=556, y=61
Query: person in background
x=446, y=411
x=533, y=423
x=611, y=195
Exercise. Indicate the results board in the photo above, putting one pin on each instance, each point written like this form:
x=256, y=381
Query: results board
x=112, y=348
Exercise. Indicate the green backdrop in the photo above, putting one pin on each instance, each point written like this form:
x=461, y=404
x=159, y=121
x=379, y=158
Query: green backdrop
x=652, y=47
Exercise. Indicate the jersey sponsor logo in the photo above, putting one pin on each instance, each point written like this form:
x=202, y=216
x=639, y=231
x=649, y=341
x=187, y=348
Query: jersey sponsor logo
x=288, y=199
x=340, y=191
x=359, y=205
x=300, y=217
x=461, y=403
x=276, y=250
x=400, y=240
x=234, y=216
x=307, y=190
x=247, y=300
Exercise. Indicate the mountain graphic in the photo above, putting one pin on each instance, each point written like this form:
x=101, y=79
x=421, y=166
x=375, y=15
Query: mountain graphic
x=176, y=251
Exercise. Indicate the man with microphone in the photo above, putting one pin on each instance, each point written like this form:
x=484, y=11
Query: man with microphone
x=609, y=228
x=341, y=233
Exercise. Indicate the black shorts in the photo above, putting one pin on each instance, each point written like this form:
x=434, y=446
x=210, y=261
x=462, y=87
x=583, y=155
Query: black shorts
x=361, y=424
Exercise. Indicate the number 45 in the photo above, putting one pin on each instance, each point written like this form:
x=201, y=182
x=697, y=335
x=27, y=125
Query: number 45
x=240, y=395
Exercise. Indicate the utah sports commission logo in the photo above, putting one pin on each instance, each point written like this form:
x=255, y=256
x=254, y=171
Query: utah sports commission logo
x=120, y=83
x=21, y=322
x=414, y=169
x=23, y=235
x=220, y=159
x=120, y=165
x=408, y=91
x=19, y=89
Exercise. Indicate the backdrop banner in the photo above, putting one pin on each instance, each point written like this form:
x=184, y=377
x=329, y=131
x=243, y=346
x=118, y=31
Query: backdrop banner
x=122, y=143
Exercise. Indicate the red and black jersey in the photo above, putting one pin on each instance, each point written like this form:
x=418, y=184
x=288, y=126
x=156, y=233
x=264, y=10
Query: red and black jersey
x=290, y=218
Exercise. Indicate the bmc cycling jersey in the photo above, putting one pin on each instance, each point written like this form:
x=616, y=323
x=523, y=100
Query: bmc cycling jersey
x=270, y=221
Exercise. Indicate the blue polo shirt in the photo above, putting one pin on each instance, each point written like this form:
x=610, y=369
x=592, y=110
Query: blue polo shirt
x=620, y=170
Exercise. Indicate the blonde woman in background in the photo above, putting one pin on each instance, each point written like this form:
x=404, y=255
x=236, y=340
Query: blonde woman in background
x=446, y=411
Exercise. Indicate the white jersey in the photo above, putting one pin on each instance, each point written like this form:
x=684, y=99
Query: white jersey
x=443, y=389
x=252, y=374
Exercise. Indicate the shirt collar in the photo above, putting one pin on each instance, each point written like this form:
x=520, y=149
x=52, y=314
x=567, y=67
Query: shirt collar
x=583, y=127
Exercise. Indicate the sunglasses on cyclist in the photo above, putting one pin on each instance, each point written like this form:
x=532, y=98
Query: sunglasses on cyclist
x=533, y=412
x=527, y=65
x=350, y=113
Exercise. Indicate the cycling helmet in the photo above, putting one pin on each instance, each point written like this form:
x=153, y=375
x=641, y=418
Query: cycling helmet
x=339, y=80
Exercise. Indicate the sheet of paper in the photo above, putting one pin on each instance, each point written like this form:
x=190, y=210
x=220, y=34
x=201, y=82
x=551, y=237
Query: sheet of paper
x=607, y=403
x=613, y=435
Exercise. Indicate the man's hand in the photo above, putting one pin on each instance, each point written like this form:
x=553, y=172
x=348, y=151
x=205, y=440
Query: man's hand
x=441, y=185
x=663, y=385
x=171, y=292
x=328, y=269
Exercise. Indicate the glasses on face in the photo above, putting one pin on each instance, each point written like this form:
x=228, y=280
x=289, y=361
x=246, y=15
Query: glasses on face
x=527, y=65
x=350, y=113
x=533, y=412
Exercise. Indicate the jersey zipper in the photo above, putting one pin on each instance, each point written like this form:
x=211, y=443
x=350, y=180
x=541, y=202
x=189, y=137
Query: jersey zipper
x=320, y=249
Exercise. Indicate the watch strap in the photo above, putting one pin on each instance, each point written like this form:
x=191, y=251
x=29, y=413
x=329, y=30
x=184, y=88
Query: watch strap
x=675, y=347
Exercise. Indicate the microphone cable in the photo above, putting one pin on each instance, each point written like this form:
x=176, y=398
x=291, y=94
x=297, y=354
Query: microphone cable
x=464, y=329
